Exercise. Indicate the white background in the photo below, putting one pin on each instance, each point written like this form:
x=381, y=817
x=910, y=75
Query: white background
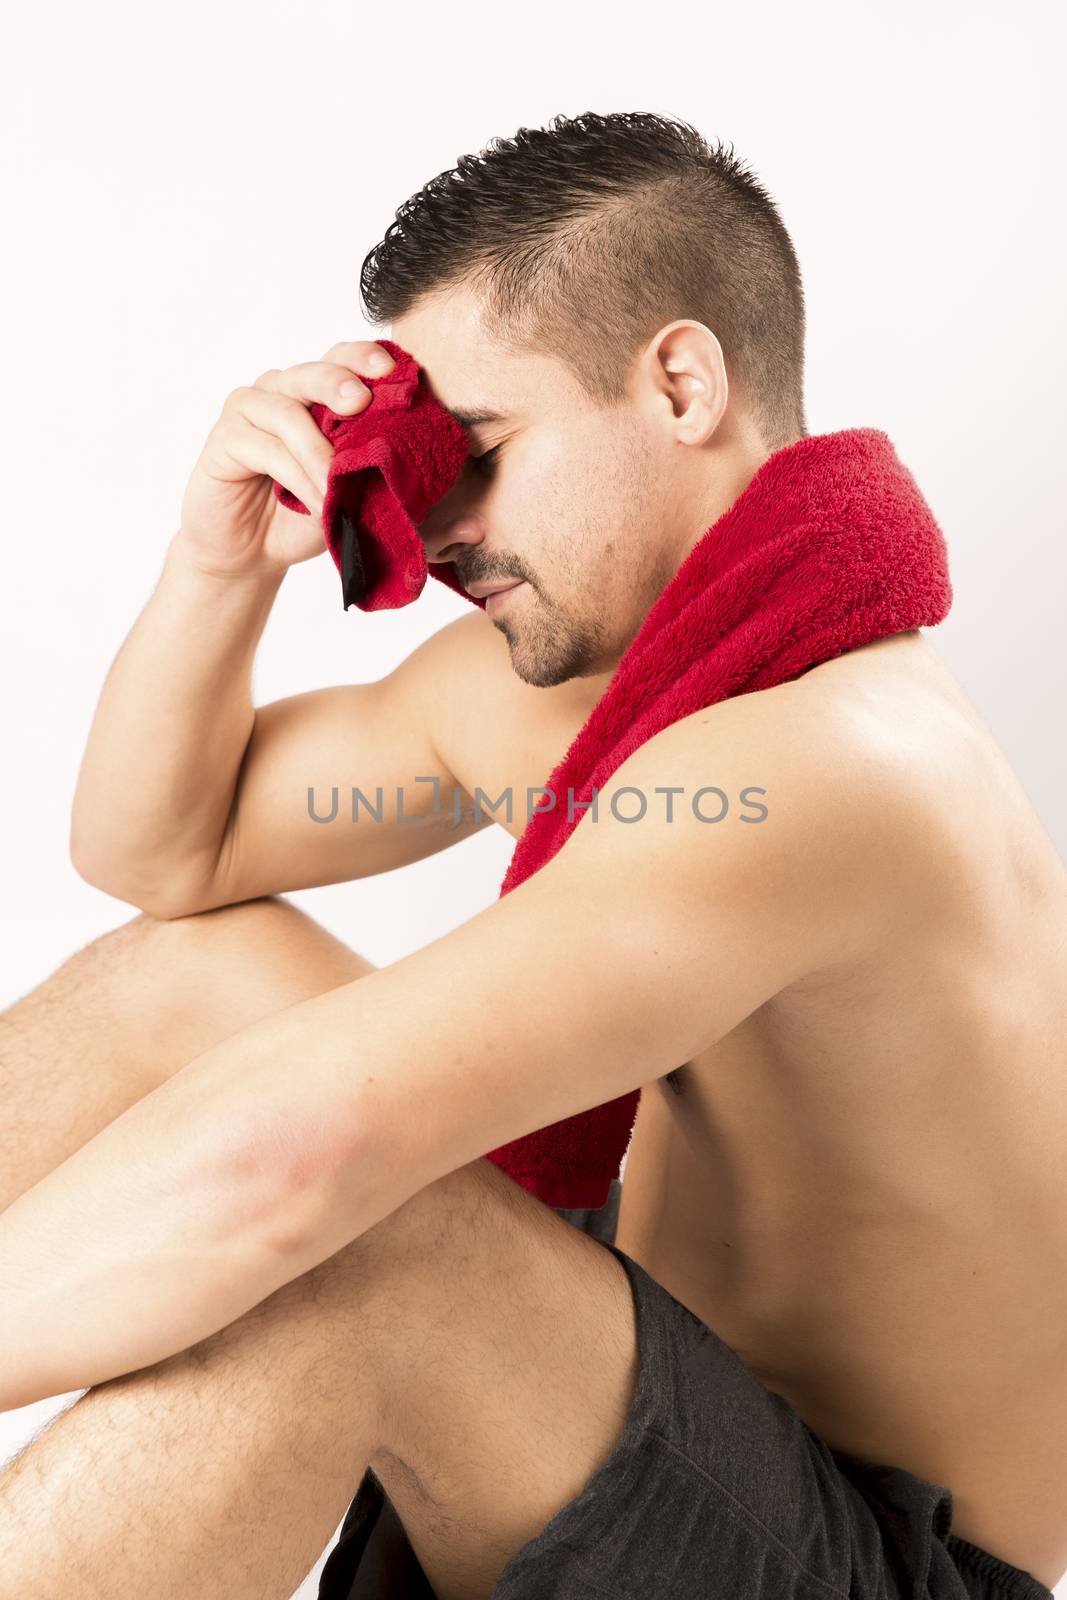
x=188, y=193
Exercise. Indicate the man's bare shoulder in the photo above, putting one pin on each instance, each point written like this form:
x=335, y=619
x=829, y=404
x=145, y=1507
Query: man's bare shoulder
x=794, y=753
x=777, y=793
x=812, y=745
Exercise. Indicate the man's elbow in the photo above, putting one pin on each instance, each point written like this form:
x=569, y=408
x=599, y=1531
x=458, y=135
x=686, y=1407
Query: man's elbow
x=122, y=884
x=110, y=883
x=291, y=1143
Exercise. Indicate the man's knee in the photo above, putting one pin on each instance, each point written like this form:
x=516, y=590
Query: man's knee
x=454, y=1216
x=228, y=921
x=181, y=985
x=265, y=935
x=242, y=912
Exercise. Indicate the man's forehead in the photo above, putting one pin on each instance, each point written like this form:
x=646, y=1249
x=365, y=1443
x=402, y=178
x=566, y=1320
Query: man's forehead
x=468, y=410
x=464, y=373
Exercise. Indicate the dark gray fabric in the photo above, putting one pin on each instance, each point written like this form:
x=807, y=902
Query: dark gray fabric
x=717, y=1490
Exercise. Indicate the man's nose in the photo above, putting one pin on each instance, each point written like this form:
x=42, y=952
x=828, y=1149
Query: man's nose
x=445, y=537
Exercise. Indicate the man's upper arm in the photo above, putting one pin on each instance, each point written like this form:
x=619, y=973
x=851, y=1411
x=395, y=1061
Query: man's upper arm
x=635, y=947
x=366, y=736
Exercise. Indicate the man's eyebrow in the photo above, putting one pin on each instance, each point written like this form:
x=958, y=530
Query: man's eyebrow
x=471, y=419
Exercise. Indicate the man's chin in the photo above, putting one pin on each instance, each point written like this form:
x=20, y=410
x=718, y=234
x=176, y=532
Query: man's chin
x=534, y=670
x=541, y=671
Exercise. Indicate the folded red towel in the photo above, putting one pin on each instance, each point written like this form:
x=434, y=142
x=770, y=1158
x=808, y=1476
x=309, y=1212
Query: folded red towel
x=830, y=545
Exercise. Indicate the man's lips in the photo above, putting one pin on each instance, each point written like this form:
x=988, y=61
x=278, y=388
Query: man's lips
x=481, y=591
x=499, y=597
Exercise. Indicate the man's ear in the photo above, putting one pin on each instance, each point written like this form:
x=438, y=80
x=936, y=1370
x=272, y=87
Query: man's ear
x=683, y=365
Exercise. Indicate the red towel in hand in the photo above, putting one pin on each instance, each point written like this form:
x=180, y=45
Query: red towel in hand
x=392, y=461
x=829, y=546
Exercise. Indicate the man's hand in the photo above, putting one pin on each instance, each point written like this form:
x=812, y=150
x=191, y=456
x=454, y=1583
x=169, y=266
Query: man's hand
x=233, y=523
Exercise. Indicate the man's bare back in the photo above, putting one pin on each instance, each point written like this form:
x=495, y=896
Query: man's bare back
x=861, y=1188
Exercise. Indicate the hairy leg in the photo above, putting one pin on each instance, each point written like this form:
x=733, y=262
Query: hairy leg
x=225, y=1469
x=476, y=1349
x=107, y=1027
x=220, y=1472
x=124, y=1013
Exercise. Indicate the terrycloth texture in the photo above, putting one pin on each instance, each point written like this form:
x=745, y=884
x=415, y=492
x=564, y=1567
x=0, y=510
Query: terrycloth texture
x=392, y=461
x=830, y=545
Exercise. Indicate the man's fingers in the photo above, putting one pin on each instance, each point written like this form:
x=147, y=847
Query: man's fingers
x=356, y=353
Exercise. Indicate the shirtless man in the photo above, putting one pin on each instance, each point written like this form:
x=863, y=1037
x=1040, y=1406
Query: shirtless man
x=857, y=1184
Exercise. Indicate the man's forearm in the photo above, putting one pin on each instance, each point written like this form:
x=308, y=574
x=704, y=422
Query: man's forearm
x=170, y=729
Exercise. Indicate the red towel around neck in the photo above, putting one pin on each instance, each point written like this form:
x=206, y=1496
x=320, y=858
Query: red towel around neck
x=830, y=546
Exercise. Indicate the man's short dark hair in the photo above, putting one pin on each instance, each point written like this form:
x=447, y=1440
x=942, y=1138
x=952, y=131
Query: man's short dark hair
x=583, y=238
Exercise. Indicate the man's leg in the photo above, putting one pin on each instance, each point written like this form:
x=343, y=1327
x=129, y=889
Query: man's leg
x=507, y=1374
x=474, y=1347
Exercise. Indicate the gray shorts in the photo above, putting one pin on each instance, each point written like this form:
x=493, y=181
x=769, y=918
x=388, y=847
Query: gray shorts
x=717, y=1490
